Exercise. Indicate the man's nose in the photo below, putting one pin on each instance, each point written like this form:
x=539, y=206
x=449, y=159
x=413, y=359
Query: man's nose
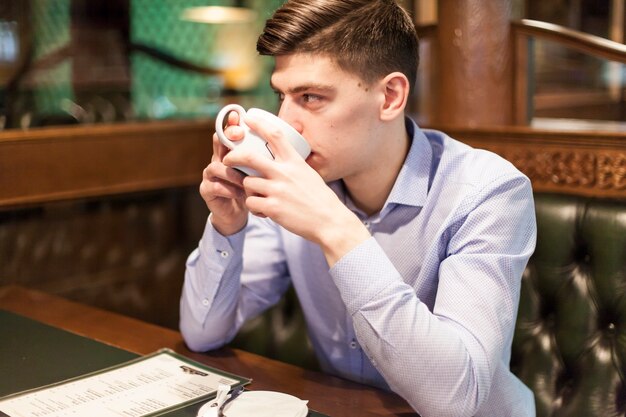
x=289, y=114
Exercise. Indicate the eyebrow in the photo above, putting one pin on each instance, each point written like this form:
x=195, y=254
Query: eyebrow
x=305, y=87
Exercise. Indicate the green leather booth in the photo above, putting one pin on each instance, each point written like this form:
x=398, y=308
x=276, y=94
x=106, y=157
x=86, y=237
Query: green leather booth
x=570, y=340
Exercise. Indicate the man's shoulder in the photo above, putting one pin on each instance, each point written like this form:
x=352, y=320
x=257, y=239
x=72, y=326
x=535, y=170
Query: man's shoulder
x=460, y=162
x=466, y=177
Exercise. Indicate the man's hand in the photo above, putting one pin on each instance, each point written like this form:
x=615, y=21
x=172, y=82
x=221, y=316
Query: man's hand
x=222, y=186
x=292, y=194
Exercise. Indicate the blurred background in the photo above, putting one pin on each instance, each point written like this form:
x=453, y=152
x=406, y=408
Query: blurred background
x=80, y=62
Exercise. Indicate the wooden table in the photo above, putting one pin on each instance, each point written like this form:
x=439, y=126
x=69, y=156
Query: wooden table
x=327, y=394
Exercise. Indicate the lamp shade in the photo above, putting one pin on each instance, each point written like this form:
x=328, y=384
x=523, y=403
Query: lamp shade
x=219, y=14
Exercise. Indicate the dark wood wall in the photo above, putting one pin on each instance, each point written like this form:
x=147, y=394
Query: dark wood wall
x=104, y=215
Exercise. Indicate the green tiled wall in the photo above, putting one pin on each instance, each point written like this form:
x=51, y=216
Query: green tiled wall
x=51, y=31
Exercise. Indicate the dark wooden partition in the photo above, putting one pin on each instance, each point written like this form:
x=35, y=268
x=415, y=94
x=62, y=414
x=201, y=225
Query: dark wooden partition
x=51, y=164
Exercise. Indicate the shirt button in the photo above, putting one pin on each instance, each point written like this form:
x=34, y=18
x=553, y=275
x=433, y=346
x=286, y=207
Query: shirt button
x=224, y=254
x=205, y=302
x=353, y=344
x=366, y=224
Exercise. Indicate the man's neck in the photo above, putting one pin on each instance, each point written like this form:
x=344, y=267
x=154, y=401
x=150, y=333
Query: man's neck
x=369, y=191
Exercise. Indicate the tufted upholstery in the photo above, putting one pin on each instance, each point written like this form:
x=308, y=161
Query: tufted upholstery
x=570, y=340
x=280, y=333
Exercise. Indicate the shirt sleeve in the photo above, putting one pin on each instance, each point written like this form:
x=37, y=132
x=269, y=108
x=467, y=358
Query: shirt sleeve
x=442, y=361
x=229, y=280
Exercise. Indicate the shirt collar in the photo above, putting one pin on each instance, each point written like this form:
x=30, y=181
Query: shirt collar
x=411, y=186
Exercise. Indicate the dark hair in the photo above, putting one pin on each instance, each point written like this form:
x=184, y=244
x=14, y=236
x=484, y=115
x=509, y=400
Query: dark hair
x=369, y=38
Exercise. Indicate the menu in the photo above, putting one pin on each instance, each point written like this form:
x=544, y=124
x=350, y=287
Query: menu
x=147, y=386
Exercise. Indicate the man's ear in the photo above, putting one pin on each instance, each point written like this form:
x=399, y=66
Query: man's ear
x=396, y=90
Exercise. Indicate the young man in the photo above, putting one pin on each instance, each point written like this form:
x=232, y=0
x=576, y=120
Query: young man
x=405, y=247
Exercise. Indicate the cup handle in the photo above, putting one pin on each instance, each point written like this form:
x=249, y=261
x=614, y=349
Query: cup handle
x=219, y=123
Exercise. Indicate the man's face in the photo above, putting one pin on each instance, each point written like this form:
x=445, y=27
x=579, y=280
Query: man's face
x=334, y=110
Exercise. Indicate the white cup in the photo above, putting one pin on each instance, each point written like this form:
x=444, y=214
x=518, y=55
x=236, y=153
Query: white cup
x=252, y=141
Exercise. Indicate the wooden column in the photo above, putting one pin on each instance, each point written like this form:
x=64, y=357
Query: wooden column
x=475, y=63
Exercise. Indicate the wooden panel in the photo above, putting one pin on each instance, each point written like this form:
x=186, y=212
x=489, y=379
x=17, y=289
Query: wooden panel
x=42, y=165
x=582, y=163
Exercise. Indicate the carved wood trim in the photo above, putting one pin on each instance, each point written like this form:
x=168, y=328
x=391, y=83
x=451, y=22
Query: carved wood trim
x=581, y=163
x=42, y=165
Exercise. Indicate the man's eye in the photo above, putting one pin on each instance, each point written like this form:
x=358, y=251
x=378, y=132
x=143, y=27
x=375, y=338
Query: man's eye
x=310, y=98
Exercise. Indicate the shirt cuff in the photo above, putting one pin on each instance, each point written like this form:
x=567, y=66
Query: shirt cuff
x=215, y=256
x=362, y=274
x=213, y=242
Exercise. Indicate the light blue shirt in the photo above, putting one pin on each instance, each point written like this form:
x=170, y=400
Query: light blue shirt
x=426, y=307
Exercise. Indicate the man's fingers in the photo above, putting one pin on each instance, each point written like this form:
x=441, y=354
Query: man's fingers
x=220, y=189
x=276, y=139
x=218, y=171
x=233, y=131
x=249, y=159
x=257, y=186
x=257, y=205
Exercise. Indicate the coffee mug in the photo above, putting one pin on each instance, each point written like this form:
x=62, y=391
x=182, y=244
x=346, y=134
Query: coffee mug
x=251, y=140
